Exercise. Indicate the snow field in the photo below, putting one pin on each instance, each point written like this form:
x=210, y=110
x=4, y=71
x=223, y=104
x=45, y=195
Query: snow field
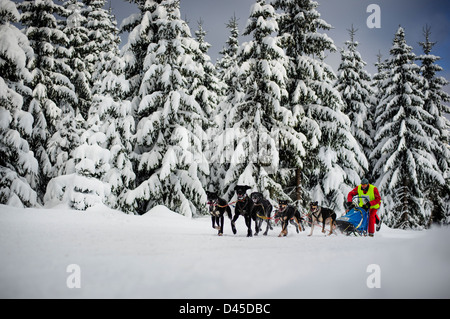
x=165, y=255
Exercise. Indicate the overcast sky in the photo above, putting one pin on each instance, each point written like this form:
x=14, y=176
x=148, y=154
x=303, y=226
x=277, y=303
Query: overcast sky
x=412, y=15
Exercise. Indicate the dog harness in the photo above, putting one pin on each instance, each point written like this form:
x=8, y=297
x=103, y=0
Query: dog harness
x=318, y=210
x=246, y=201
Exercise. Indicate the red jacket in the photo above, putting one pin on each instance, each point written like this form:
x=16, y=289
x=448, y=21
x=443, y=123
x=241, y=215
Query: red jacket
x=354, y=192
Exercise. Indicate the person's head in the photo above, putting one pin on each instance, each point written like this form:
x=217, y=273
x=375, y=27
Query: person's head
x=364, y=184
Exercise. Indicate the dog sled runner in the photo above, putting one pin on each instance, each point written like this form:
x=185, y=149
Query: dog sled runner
x=355, y=221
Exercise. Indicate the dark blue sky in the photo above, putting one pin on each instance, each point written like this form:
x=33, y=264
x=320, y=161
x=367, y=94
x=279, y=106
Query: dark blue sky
x=412, y=15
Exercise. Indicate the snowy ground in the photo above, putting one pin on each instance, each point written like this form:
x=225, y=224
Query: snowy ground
x=165, y=255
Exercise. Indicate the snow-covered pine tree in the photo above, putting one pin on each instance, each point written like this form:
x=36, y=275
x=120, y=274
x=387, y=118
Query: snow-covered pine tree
x=377, y=84
x=53, y=94
x=170, y=133
x=118, y=123
x=228, y=62
x=208, y=91
x=353, y=83
x=60, y=145
x=227, y=68
x=103, y=37
x=403, y=138
x=18, y=166
x=334, y=161
x=83, y=186
x=74, y=27
x=209, y=94
x=435, y=99
x=142, y=32
x=71, y=123
x=91, y=166
x=259, y=125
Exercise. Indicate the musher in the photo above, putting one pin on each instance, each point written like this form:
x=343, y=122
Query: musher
x=370, y=192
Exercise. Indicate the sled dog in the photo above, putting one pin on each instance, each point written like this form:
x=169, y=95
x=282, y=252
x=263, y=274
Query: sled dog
x=262, y=209
x=217, y=208
x=322, y=215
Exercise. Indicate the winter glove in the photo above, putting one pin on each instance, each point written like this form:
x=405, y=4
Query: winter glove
x=348, y=205
x=366, y=206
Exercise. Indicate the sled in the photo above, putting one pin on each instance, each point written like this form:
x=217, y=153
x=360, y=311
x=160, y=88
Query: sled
x=355, y=221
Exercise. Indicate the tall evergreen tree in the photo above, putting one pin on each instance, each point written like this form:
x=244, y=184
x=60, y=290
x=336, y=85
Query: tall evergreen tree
x=353, y=82
x=83, y=186
x=74, y=27
x=209, y=94
x=103, y=38
x=377, y=84
x=434, y=103
x=18, y=166
x=142, y=32
x=334, y=161
x=117, y=123
x=228, y=62
x=53, y=94
x=262, y=126
x=170, y=135
x=403, y=140
x=227, y=67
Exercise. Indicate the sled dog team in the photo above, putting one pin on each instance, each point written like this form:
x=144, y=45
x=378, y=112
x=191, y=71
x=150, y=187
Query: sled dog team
x=257, y=208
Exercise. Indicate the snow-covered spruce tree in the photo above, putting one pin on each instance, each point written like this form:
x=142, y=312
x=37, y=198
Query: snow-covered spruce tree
x=208, y=91
x=142, y=32
x=353, y=83
x=74, y=27
x=209, y=94
x=228, y=62
x=103, y=37
x=403, y=140
x=61, y=144
x=53, y=94
x=227, y=67
x=18, y=166
x=377, y=86
x=91, y=166
x=334, y=161
x=117, y=124
x=259, y=125
x=169, y=134
x=98, y=170
x=434, y=103
x=71, y=123
x=84, y=186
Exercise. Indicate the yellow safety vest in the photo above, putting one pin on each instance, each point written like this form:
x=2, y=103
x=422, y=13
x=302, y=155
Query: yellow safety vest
x=370, y=195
